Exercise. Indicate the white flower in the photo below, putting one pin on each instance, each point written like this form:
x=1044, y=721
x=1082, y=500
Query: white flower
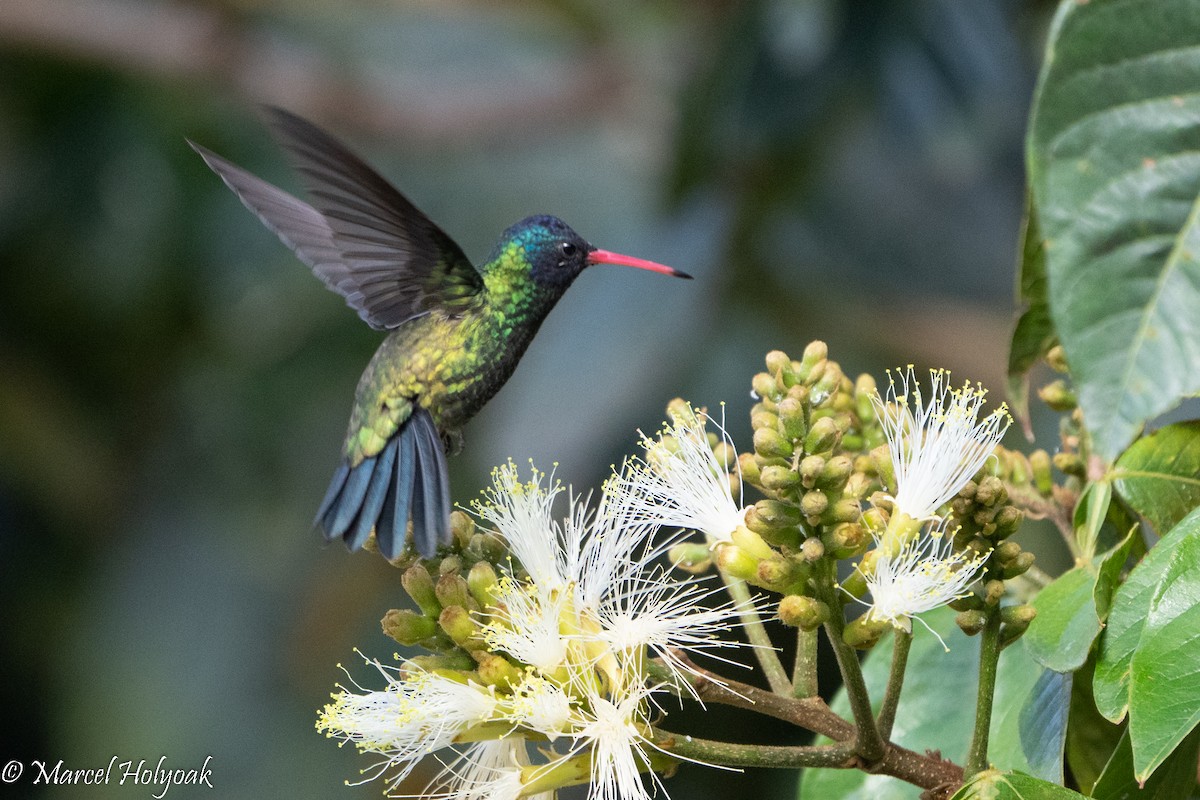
x=680, y=483
x=541, y=705
x=612, y=730
x=414, y=716
x=526, y=626
x=489, y=770
x=523, y=514
x=935, y=446
x=924, y=575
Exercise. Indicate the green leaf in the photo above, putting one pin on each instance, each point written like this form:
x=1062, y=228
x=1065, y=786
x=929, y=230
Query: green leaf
x=1174, y=780
x=1091, y=739
x=1108, y=573
x=1034, y=334
x=1164, y=686
x=1044, y=724
x=925, y=718
x=1126, y=620
x=1114, y=166
x=995, y=785
x=1090, y=513
x=1159, y=475
x=1066, y=623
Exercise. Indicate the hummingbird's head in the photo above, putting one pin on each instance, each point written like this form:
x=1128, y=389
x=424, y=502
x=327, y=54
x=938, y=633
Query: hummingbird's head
x=556, y=254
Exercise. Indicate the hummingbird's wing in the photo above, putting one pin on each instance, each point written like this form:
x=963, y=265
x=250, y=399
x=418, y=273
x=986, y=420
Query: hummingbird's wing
x=363, y=238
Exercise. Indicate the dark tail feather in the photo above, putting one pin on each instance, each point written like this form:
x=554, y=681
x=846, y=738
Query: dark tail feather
x=406, y=479
x=431, y=493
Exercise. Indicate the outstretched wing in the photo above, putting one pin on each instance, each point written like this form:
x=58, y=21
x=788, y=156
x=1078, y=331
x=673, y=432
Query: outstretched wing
x=360, y=236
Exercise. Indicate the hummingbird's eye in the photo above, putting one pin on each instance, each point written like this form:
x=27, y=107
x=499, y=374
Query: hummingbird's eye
x=568, y=249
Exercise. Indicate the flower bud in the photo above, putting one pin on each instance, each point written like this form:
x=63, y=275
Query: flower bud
x=749, y=468
x=462, y=528
x=1058, y=396
x=771, y=515
x=482, y=582
x=812, y=550
x=452, y=590
x=751, y=543
x=1070, y=464
x=779, y=479
x=883, y=463
x=864, y=632
x=456, y=661
x=845, y=540
x=419, y=586
x=810, y=470
x=864, y=390
x=815, y=351
x=1007, y=551
x=768, y=442
x=780, y=367
x=792, y=423
x=1019, y=565
x=776, y=573
x=835, y=473
x=735, y=562
x=681, y=413
x=407, y=626
x=1057, y=359
x=993, y=591
x=690, y=557
x=725, y=455
x=764, y=386
x=875, y=520
x=845, y=510
x=457, y=623
x=971, y=622
x=822, y=436
x=1007, y=520
x=1015, y=621
x=496, y=670
x=969, y=602
x=1043, y=480
x=813, y=505
x=805, y=613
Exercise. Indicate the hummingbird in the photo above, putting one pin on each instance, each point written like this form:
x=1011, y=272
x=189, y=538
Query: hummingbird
x=455, y=333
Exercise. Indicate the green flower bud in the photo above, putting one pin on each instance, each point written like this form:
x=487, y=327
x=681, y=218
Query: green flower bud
x=805, y=613
x=779, y=479
x=780, y=367
x=991, y=492
x=846, y=540
x=864, y=632
x=772, y=515
x=883, y=464
x=822, y=436
x=1008, y=519
x=864, y=390
x=993, y=591
x=813, y=505
x=462, y=528
x=749, y=468
x=1058, y=396
x=690, y=557
x=768, y=442
x=812, y=550
x=751, y=543
x=810, y=470
x=875, y=520
x=487, y=547
x=1043, y=479
x=836, y=473
x=799, y=393
x=482, y=582
x=1015, y=621
x=792, y=423
x=735, y=562
x=1057, y=359
x=680, y=412
x=1006, y=552
x=775, y=573
x=456, y=661
x=764, y=386
x=970, y=602
x=815, y=351
x=496, y=670
x=1019, y=565
x=408, y=627
x=725, y=455
x=1070, y=464
x=452, y=590
x=845, y=510
x=457, y=623
x=419, y=586
x=971, y=622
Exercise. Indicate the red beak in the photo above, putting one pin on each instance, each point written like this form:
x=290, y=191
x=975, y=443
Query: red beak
x=608, y=257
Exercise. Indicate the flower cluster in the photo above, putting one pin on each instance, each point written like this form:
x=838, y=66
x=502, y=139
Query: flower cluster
x=560, y=692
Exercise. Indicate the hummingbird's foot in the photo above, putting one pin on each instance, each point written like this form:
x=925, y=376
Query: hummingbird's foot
x=452, y=441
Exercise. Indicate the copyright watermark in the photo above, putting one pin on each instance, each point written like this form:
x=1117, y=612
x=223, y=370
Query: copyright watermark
x=158, y=776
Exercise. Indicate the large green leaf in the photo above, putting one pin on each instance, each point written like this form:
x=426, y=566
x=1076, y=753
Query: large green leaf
x=995, y=785
x=1066, y=623
x=1033, y=335
x=1174, y=780
x=1127, y=619
x=937, y=709
x=1164, y=685
x=1159, y=475
x=1114, y=165
x=1044, y=724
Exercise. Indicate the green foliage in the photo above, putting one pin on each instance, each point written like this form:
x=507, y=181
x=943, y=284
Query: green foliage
x=1066, y=625
x=993, y=785
x=1114, y=173
x=1159, y=475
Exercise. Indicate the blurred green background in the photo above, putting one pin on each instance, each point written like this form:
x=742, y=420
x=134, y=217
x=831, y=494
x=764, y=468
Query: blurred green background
x=174, y=385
